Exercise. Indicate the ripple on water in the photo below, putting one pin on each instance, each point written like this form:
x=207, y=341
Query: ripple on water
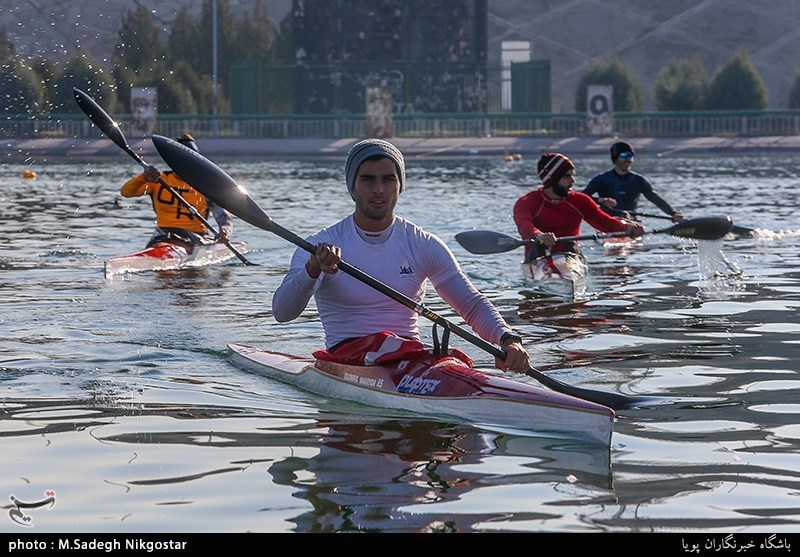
x=734, y=308
x=777, y=408
x=788, y=328
x=609, y=302
x=791, y=431
x=670, y=379
x=611, y=341
x=701, y=427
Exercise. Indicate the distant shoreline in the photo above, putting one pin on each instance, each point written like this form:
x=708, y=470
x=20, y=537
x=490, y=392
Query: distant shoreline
x=36, y=151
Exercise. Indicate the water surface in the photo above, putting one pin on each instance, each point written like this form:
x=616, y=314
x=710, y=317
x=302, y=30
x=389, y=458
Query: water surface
x=119, y=396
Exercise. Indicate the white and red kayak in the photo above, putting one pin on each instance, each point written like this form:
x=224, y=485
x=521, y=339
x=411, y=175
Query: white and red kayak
x=166, y=256
x=446, y=389
x=559, y=274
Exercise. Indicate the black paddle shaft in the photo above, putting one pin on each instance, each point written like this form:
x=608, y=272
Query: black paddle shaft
x=703, y=228
x=487, y=241
x=108, y=126
x=217, y=185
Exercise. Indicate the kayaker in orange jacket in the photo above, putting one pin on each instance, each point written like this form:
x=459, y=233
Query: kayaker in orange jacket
x=174, y=221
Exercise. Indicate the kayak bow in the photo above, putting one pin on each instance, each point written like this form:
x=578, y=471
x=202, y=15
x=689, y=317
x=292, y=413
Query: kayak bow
x=167, y=256
x=560, y=274
x=446, y=390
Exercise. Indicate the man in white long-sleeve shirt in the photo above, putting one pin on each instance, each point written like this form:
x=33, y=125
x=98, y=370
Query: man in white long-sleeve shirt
x=395, y=252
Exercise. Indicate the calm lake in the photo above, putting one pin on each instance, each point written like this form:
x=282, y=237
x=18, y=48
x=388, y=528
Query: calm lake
x=118, y=394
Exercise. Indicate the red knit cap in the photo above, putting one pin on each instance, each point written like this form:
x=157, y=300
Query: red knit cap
x=552, y=166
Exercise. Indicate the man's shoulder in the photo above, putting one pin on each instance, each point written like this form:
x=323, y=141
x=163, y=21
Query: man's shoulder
x=639, y=179
x=600, y=178
x=334, y=230
x=411, y=229
x=534, y=193
x=579, y=197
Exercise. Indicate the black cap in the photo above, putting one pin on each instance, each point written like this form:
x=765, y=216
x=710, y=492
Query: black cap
x=620, y=147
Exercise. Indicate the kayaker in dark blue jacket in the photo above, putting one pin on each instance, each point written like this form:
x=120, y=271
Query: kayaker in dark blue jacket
x=618, y=190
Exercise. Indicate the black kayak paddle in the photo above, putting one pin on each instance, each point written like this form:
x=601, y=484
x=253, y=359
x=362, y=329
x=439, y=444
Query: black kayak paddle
x=486, y=241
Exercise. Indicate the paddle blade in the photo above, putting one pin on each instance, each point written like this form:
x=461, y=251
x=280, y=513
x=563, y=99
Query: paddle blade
x=705, y=228
x=486, y=241
x=100, y=118
x=210, y=180
x=743, y=231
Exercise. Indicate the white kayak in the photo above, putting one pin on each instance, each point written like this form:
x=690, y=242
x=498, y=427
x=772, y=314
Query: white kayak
x=166, y=256
x=444, y=390
x=558, y=274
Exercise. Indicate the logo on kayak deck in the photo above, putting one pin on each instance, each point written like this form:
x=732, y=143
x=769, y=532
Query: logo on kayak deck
x=417, y=385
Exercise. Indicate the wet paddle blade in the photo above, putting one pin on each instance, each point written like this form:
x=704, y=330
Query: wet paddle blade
x=100, y=118
x=486, y=241
x=210, y=180
x=743, y=231
x=704, y=228
x=740, y=231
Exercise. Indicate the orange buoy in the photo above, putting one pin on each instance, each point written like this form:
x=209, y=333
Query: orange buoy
x=28, y=174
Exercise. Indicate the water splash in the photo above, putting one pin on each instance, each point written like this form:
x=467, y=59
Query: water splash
x=712, y=261
x=764, y=234
x=717, y=273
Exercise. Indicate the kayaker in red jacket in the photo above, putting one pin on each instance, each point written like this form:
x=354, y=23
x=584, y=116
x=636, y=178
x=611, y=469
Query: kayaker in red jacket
x=554, y=210
x=393, y=250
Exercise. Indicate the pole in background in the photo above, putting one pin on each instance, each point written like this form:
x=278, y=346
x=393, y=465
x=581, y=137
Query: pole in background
x=214, y=43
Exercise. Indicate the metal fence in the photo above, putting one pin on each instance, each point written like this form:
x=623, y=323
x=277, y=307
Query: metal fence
x=653, y=124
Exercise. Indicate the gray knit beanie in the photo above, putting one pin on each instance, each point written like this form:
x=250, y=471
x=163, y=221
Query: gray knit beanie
x=367, y=148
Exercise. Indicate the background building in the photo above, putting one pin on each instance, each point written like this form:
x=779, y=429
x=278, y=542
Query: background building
x=427, y=55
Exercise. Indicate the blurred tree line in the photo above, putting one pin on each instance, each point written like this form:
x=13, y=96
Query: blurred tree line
x=685, y=85
x=180, y=64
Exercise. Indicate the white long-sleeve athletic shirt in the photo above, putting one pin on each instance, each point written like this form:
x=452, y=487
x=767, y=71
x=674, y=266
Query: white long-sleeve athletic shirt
x=409, y=257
